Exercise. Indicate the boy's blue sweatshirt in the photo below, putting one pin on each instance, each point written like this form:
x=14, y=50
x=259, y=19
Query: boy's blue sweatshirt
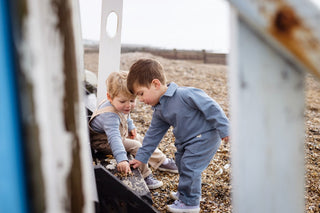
x=189, y=111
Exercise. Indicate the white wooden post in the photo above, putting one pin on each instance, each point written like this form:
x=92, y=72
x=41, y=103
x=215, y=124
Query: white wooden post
x=273, y=44
x=54, y=122
x=267, y=123
x=110, y=43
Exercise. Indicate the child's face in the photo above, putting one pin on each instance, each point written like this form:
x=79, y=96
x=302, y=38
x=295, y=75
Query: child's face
x=147, y=95
x=122, y=103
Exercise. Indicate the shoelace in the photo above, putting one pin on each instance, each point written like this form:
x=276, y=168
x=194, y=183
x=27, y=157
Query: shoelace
x=150, y=177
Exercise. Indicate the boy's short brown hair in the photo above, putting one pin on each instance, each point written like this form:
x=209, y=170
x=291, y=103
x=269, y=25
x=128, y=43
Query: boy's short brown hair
x=117, y=84
x=143, y=72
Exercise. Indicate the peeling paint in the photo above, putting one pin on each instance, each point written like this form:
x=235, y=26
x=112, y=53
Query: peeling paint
x=289, y=29
x=30, y=128
x=47, y=59
x=285, y=20
x=49, y=77
x=288, y=22
x=64, y=26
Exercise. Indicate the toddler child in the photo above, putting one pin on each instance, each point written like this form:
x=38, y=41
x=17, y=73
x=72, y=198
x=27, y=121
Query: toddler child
x=112, y=129
x=198, y=123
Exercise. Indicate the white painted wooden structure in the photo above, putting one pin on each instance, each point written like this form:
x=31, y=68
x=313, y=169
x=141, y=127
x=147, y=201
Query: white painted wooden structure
x=273, y=44
x=54, y=122
x=110, y=43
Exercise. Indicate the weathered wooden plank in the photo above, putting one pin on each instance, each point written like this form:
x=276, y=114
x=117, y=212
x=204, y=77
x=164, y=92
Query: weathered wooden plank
x=110, y=45
x=291, y=26
x=55, y=132
x=88, y=184
x=267, y=126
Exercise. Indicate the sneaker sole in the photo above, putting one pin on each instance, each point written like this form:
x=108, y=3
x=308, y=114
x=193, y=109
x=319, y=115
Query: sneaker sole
x=168, y=170
x=197, y=210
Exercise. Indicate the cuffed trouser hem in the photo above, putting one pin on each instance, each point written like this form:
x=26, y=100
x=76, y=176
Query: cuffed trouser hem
x=157, y=158
x=145, y=171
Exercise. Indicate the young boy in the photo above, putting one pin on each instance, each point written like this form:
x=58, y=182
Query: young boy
x=111, y=129
x=199, y=125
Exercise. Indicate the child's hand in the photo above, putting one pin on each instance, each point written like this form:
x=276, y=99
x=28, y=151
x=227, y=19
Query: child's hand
x=225, y=139
x=132, y=133
x=124, y=167
x=135, y=163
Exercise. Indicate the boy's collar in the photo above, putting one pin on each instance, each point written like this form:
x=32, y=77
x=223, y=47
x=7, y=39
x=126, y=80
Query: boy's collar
x=172, y=87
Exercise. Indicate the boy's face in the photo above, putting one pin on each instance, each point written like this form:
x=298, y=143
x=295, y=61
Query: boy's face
x=122, y=103
x=147, y=95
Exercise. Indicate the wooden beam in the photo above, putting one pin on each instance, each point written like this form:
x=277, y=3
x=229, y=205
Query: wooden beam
x=54, y=125
x=291, y=26
x=267, y=125
x=110, y=45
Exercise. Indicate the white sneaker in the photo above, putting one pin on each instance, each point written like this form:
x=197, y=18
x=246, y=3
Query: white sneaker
x=179, y=206
x=169, y=167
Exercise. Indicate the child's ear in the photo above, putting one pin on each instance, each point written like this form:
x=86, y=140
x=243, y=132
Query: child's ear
x=109, y=97
x=156, y=83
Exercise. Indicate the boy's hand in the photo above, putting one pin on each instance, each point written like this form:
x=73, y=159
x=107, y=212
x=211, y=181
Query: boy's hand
x=225, y=139
x=132, y=133
x=124, y=167
x=135, y=163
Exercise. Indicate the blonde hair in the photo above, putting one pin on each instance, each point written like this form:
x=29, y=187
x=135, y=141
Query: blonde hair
x=117, y=84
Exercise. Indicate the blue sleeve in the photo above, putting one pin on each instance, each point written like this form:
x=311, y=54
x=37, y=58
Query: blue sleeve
x=211, y=110
x=109, y=123
x=154, y=134
x=131, y=125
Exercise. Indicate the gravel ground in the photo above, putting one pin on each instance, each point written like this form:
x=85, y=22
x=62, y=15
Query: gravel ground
x=216, y=186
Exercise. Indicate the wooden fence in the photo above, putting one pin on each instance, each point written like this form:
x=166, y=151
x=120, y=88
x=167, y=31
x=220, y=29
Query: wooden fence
x=196, y=55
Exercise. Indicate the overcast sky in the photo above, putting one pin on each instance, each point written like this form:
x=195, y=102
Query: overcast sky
x=181, y=24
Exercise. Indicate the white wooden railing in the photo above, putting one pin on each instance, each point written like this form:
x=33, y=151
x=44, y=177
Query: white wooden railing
x=273, y=44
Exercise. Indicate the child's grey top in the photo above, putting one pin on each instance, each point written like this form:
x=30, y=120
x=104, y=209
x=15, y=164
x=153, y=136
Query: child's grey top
x=109, y=123
x=190, y=111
